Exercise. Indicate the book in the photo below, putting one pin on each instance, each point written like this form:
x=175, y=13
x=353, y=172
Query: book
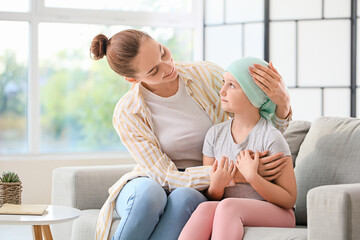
x=23, y=209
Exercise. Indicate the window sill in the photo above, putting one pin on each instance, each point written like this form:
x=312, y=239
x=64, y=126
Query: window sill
x=122, y=156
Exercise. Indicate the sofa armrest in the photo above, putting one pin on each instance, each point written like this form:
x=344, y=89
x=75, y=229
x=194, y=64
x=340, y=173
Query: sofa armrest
x=85, y=187
x=334, y=212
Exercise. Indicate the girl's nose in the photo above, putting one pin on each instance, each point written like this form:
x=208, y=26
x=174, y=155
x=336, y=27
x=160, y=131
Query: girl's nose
x=222, y=91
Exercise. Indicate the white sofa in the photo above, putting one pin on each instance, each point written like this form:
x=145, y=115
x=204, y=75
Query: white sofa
x=327, y=159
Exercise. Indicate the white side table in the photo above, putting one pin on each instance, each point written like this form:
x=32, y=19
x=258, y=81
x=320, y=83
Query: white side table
x=40, y=224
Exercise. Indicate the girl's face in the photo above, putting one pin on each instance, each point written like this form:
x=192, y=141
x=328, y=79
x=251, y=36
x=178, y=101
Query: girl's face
x=233, y=98
x=154, y=64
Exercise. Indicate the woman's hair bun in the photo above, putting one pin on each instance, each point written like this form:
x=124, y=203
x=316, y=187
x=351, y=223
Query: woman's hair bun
x=98, y=46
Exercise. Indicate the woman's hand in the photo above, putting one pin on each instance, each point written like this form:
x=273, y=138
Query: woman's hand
x=221, y=174
x=248, y=165
x=270, y=81
x=270, y=167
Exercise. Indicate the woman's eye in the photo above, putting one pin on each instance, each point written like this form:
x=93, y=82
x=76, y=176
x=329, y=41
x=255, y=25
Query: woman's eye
x=154, y=73
x=232, y=85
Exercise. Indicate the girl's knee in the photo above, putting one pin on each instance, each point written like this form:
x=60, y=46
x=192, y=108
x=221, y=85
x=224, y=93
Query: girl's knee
x=205, y=208
x=227, y=206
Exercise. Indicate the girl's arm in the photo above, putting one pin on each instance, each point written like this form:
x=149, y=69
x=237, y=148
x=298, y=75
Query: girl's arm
x=281, y=192
x=221, y=174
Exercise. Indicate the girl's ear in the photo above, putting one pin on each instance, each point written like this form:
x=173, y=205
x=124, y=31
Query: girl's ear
x=131, y=80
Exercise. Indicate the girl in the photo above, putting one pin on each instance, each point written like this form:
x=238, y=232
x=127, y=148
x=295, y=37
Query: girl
x=258, y=202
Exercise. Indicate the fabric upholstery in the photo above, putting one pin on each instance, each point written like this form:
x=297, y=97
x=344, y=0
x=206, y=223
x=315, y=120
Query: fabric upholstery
x=85, y=187
x=330, y=154
x=266, y=233
x=334, y=212
x=84, y=226
x=295, y=135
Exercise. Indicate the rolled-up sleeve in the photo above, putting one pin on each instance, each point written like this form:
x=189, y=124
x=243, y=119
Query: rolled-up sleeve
x=145, y=149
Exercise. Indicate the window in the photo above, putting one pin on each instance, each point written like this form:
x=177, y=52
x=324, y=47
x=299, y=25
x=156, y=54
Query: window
x=14, y=5
x=173, y=6
x=53, y=97
x=13, y=86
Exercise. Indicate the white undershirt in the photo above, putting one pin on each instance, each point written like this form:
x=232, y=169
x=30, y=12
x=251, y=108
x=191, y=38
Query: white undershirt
x=179, y=124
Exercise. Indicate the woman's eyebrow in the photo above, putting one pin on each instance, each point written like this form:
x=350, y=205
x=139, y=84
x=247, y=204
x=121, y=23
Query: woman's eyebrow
x=156, y=65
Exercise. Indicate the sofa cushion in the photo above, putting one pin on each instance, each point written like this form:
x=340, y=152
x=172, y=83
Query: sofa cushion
x=295, y=135
x=329, y=154
x=272, y=233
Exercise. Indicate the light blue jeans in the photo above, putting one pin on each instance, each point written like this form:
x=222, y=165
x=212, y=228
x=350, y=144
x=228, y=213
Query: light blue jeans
x=148, y=213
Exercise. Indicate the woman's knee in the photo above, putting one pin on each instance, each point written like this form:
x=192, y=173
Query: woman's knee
x=143, y=193
x=187, y=197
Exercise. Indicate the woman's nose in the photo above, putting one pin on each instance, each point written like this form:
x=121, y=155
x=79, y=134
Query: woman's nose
x=167, y=66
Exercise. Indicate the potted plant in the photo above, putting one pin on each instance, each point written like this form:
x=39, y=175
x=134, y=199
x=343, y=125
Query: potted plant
x=10, y=188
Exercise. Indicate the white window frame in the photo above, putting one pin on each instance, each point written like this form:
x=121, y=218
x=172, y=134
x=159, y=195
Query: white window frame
x=39, y=13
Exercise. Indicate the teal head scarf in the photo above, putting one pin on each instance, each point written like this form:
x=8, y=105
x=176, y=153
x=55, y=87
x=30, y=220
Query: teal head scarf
x=240, y=71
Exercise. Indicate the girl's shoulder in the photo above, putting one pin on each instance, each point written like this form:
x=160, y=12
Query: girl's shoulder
x=221, y=128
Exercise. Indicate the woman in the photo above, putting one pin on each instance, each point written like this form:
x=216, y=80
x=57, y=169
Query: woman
x=162, y=120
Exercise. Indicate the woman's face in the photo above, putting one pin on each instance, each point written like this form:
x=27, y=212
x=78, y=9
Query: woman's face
x=233, y=98
x=154, y=64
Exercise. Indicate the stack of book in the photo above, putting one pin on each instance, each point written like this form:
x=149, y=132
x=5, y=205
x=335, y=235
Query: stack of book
x=23, y=209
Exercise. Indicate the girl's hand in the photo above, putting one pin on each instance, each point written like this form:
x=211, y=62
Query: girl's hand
x=270, y=81
x=247, y=165
x=221, y=174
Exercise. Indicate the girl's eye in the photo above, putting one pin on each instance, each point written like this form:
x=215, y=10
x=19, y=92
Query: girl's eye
x=232, y=85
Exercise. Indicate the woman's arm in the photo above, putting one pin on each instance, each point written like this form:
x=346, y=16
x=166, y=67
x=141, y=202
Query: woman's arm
x=270, y=81
x=270, y=167
x=208, y=161
x=281, y=192
x=144, y=147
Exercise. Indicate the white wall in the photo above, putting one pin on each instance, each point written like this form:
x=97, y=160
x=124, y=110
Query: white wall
x=36, y=175
x=309, y=46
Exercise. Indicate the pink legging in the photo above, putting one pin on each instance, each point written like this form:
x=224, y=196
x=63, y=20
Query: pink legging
x=225, y=219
